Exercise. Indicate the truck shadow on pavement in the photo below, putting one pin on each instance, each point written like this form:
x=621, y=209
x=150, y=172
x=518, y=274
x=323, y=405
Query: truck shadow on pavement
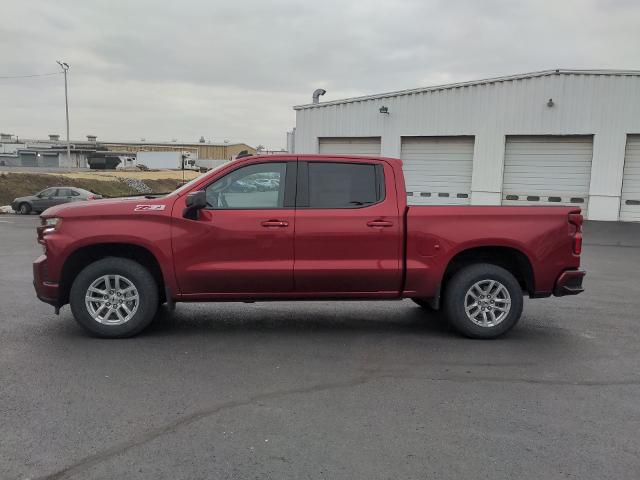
x=308, y=319
x=204, y=319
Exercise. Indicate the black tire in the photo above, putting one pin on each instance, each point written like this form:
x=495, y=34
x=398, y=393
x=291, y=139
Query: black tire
x=138, y=275
x=424, y=304
x=456, y=293
x=24, y=208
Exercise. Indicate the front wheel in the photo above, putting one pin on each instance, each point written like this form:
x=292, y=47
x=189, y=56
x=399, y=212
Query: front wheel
x=114, y=298
x=483, y=301
x=24, y=209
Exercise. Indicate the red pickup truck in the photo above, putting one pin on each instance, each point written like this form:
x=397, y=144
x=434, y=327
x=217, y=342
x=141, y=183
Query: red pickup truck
x=299, y=227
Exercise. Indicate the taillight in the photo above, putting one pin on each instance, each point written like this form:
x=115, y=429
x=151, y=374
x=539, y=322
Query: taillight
x=91, y=197
x=576, y=220
x=577, y=243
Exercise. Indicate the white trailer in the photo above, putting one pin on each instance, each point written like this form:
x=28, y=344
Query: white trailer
x=166, y=160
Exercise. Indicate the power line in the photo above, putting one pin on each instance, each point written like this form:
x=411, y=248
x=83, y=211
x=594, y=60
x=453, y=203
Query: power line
x=30, y=76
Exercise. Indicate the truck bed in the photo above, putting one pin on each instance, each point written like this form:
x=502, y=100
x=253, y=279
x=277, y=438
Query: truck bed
x=436, y=234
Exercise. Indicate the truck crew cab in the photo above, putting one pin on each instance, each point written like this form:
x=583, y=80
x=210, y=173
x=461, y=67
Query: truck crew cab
x=299, y=227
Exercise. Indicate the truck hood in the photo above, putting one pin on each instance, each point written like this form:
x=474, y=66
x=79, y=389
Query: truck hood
x=111, y=206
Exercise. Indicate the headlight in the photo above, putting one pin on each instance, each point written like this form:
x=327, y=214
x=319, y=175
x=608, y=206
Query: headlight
x=53, y=222
x=49, y=225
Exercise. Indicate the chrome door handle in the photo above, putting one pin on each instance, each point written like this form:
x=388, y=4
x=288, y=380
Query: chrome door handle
x=275, y=223
x=379, y=224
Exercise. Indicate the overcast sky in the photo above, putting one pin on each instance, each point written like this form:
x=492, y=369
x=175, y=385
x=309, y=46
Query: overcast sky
x=180, y=69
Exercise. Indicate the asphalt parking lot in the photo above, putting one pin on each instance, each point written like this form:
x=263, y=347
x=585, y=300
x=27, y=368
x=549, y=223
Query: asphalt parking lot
x=345, y=390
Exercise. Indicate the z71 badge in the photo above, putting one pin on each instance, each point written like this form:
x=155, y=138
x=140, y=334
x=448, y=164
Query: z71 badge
x=144, y=208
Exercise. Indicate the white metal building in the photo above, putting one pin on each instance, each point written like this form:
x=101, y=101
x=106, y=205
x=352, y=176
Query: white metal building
x=558, y=137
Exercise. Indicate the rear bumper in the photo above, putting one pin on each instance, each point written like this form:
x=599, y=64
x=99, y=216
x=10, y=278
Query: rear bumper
x=569, y=283
x=45, y=291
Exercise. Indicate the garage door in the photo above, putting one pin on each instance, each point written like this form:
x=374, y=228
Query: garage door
x=367, y=146
x=47, y=160
x=630, y=201
x=437, y=170
x=28, y=159
x=547, y=170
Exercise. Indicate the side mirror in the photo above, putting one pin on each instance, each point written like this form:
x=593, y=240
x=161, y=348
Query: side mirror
x=194, y=201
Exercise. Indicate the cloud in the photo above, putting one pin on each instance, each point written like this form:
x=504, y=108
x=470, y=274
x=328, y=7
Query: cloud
x=163, y=70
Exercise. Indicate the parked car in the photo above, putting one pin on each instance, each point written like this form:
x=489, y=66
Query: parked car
x=242, y=187
x=346, y=219
x=264, y=184
x=50, y=197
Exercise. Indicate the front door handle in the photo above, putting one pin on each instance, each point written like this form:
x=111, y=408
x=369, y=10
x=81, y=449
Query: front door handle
x=274, y=223
x=379, y=224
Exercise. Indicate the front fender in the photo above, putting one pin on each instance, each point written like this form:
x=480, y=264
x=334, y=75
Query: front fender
x=152, y=233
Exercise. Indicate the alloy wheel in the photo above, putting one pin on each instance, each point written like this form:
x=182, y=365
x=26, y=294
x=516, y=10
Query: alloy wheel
x=487, y=303
x=112, y=299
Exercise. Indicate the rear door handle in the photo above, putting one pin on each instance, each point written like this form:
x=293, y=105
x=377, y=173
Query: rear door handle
x=274, y=223
x=379, y=224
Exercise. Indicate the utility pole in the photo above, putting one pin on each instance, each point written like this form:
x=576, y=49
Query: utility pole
x=65, y=68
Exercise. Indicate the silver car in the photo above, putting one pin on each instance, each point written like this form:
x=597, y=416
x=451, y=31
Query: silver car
x=50, y=197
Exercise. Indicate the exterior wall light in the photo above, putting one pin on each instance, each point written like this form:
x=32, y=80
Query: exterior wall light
x=384, y=110
x=550, y=103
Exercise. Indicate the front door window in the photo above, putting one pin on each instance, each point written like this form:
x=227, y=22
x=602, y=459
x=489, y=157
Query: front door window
x=253, y=187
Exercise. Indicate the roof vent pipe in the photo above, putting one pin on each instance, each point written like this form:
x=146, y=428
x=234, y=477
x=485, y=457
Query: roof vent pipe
x=317, y=93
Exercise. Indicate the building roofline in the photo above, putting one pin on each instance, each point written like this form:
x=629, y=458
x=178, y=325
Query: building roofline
x=521, y=76
x=174, y=144
x=147, y=144
x=74, y=148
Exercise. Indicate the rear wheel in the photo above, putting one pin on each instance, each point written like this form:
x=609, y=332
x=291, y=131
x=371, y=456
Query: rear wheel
x=24, y=209
x=483, y=301
x=114, y=298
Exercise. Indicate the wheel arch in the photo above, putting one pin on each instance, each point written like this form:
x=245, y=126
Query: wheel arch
x=511, y=259
x=88, y=254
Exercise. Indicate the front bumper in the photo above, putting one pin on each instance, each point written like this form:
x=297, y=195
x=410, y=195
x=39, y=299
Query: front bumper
x=45, y=290
x=569, y=283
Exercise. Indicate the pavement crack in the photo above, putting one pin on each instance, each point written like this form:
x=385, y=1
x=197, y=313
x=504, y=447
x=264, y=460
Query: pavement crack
x=119, y=448
x=368, y=375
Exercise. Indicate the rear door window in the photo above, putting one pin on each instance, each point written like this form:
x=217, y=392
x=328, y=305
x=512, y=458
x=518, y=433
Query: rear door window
x=344, y=185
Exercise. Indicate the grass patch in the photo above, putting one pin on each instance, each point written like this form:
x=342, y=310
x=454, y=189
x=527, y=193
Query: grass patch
x=109, y=175
x=13, y=185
